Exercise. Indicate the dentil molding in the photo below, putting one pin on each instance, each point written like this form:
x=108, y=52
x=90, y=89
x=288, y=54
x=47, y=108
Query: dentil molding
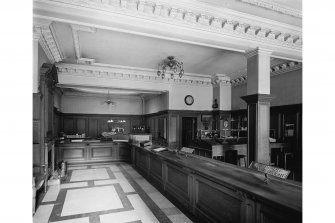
x=130, y=73
x=274, y=7
x=43, y=32
x=211, y=19
x=274, y=70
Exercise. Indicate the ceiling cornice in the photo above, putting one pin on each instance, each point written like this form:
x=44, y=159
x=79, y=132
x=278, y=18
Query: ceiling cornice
x=43, y=32
x=218, y=79
x=275, y=7
x=129, y=73
x=235, y=26
x=98, y=95
x=274, y=71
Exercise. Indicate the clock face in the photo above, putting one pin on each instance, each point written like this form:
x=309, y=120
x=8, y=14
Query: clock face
x=189, y=99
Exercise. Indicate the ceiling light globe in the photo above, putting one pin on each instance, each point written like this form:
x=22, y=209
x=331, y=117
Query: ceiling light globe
x=159, y=73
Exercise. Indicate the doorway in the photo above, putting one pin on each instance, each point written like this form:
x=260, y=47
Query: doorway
x=189, y=130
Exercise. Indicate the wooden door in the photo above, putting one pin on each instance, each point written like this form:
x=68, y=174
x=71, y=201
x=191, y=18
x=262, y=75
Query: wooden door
x=189, y=130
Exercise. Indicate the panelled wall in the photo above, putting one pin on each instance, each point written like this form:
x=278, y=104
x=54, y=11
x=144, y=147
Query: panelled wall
x=93, y=125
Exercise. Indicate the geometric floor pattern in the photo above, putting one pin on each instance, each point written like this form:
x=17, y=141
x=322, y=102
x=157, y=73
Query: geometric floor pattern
x=104, y=194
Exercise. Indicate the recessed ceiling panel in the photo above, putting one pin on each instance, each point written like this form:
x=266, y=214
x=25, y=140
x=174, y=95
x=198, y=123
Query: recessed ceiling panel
x=124, y=49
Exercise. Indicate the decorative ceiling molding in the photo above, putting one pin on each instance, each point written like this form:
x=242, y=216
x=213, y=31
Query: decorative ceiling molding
x=75, y=36
x=218, y=79
x=132, y=74
x=275, y=7
x=258, y=51
x=274, y=70
x=43, y=33
x=68, y=93
x=222, y=21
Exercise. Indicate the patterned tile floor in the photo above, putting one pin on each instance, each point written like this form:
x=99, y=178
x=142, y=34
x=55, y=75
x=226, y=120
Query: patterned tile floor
x=106, y=194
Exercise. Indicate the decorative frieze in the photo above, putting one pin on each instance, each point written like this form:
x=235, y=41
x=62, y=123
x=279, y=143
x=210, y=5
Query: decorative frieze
x=274, y=7
x=133, y=74
x=274, y=70
x=217, y=23
x=204, y=19
x=177, y=13
x=190, y=17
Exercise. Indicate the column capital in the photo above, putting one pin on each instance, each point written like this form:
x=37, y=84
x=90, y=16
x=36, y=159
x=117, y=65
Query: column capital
x=220, y=78
x=257, y=51
x=254, y=98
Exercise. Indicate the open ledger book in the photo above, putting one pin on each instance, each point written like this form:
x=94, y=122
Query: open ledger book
x=159, y=149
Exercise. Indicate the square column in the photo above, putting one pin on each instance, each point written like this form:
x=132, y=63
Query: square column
x=258, y=99
x=222, y=91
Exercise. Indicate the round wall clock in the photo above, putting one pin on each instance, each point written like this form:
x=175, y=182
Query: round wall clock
x=189, y=99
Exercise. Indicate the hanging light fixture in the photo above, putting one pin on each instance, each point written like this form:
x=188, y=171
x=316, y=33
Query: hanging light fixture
x=174, y=66
x=108, y=99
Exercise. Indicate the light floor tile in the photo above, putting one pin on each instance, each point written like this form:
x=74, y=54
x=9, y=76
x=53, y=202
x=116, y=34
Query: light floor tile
x=127, y=167
x=125, y=185
x=171, y=211
x=141, y=208
x=52, y=193
x=141, y=212
x=146, y=186
x=104, y=182
x=72, y=185
x=100, y=166
x=86, y=200
x=75, y=220
x=114, y=168
x=77, y=167
x=43, y=213
x=160, y=200
x=179, y=218
x=119, y=175
x=89, y=174
x=134, y=174
x=119, y=217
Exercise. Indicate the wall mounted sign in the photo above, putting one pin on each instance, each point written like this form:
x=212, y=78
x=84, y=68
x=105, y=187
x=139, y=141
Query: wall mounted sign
x=274, y=171
x=189, y=100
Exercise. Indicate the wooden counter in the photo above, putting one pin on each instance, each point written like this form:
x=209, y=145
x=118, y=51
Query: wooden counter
x=89, y=152
x=219, y=192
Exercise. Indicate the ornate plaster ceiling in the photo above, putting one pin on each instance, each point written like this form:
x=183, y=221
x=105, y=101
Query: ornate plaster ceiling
x=103, y=44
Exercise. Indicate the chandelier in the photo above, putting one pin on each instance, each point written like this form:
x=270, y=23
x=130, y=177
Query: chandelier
x=174, y=66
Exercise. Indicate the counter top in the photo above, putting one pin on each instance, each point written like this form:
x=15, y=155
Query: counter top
x=283, y=192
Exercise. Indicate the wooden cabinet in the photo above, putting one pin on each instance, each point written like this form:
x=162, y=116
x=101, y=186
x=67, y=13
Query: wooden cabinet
x=88, y=152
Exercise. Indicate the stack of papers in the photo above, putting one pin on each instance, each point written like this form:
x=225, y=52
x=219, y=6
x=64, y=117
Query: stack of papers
x=159, y=149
